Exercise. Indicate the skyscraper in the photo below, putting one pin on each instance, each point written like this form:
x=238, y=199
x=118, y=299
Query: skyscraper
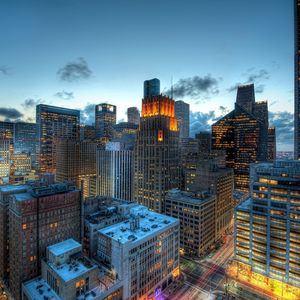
x=243, y=134
x=105, y=118
x=182, y=112
x=267, y=229
x=151, y=88
x=156, y=152
x=114, y=167
x=272, y=144
x=54, y=123
x=39, y=217
x=133, y=115
x=297, y=79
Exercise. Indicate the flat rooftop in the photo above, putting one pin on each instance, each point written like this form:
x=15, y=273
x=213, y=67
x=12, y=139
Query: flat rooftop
x=63, y=247
x=71, y=270
x=245, y=204
x=9, y=188
x=189, y=197
x=23, y=197
x=38, y=288
x=149, y=223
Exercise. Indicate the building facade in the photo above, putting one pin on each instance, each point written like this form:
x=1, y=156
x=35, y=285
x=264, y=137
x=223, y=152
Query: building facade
x=133, y=115
x=267, y=226
x=182, y=112
x=105, y=119
x=272, y=149
x=297, y=79
x=53, y=124
x=151, y=88
x=114, y=169
x=39, y=217
x=156, y=166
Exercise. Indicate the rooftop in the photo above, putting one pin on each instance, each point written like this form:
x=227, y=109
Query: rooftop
x=13, y=187
x=38, y=288
x=148, y=223
x=63, y=247
x=23, y=197
x=245, y=204
x=189, y=197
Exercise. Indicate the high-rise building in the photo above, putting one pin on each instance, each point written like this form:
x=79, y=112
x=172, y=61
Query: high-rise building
x=196, y=212
x=133, y=115
x=6, y=151
x=267, y=229
x=125, y=133
x=114, y=168
x=156, y=152
x=182, y=112
x=105, y=118
x=25, y=139
x=76, y=162
x=297, y=79
x=272, y=144
x=204, y=140
x=143, y=251
x=54, y=123
x=243, y=134
x=39, y=217
x=87, y=132
x=151, y=88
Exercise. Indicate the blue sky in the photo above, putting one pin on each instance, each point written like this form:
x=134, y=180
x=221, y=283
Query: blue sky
x=77, y=53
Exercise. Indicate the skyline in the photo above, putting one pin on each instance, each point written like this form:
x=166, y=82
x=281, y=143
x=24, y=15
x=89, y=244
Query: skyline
x=75, y=56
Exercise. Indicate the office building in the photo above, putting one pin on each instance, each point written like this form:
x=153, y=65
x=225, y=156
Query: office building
x=297, y=79
x=272, y=149
x=25, y=139
x=76, y=162
x=196, y=212
x=182, y=112
x=243, y=134
x=87, y=132
x=133, y=115
x=105, y=118
x=156, y=152
x=143, y=251
x=267, y=228
x=114, y=169
x=125, y=133
x=204, y=140
x=100, y=212
x=151, y=88
x=67, y=275
x=53, y=124
x=21, y=162
x=37, y=218
x=6, y=151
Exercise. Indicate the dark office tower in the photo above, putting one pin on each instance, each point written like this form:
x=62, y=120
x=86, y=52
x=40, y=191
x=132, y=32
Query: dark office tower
x=182, y=112
x=114, y=171
x=25, y=139
x=245, y=97
x=271, y=144
x=105, y=117
x=39, y=217
x=260, y=111
x=243, y=134
x=151, y=88
x=54, y=123
x=133, y=115
x=156, y=152
x=297, y=79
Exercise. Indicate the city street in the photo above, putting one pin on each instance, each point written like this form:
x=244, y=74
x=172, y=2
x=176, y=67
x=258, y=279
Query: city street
x=203, y=279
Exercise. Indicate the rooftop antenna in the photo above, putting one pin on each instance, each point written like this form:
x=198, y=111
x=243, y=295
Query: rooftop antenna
x=171, y=87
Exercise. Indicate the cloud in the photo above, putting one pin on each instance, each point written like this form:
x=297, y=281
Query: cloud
x=88, y=114
x=200, y=121
x=10, y=113
x=195, y=87
x=30, y=103
x=75, y=70
x=4, y=70
x=252, y=76
x=284, y=124
x=64, y=95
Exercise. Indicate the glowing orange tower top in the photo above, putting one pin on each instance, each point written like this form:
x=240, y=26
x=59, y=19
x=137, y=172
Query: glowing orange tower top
x=160, y=106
